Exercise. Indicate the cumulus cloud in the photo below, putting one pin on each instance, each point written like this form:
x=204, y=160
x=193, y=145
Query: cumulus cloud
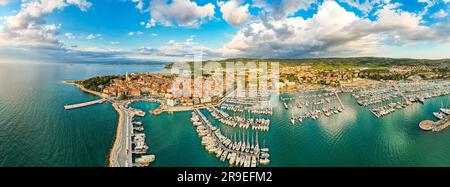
x=185, y=13
x=82, y=4
x=234, y=13
x=440, y=14
x=137, y=33
x=283, y=8
x=139, y=5
x=69, y=36
x=28, y=27
x=93, y=36
x=365, y=6
x=332, y=31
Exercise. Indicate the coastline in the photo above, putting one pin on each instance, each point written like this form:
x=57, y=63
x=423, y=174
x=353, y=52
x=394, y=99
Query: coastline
x=84, y=89
x=120, y=122
x=112, y=158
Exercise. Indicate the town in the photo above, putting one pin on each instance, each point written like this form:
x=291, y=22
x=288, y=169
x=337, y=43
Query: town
x=307, y=92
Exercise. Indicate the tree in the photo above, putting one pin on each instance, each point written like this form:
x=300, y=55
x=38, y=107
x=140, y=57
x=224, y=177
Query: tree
x=123, y=97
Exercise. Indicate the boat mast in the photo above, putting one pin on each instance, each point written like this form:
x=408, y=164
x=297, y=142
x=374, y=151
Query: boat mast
x=257, y=143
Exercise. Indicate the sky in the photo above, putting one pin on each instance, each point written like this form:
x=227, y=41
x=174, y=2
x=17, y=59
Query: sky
x=176, y=30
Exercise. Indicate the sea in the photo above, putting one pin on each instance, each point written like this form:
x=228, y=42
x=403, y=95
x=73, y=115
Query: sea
x=36, y=131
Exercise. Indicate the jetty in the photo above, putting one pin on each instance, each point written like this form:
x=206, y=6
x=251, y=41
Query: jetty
x=85, y=104
x=245, y=153
x=437, y=126
x=121, y=155
x=339, y=99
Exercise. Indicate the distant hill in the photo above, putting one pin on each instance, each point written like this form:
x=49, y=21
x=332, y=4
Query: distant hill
x=357, y=61
x=333, y=63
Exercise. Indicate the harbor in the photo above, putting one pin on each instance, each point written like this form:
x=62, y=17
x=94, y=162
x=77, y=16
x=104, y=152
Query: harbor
x=245, y=152
x=234, y=131
x=311, y=105
x=135, y=140
x=443, y=121
x=387, y=98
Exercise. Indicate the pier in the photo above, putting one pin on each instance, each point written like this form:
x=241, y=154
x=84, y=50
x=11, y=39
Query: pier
x=85, y=104
x=437, y=126
x=245, y=153
x=120, y=155
x=339, y=99
x=441, y=124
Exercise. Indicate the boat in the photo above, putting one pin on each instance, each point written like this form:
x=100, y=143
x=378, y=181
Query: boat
x=264, y=161
x=253, y=163
x=439, y=115
x=445, y=111
x=247, y=161
x=238, y=160
x=243, y=143
x=420, y=99
x=232, y=159
x=224, y=156
x=144, y=160
x=292, y=120
x=139, y=129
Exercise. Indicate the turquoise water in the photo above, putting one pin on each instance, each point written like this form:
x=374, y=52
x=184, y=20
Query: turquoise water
x=35, y=130
x=353, y=138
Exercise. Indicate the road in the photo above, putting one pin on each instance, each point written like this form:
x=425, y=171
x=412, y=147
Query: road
x=121, y=155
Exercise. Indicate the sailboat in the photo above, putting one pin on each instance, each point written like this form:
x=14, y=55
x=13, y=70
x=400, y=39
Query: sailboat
x=300, y=119
x=247, y=149
x=243, y=142
x=445, y=110
x=264, y=155
x=252, y=147
x=234, y=141
x=257, y=145
x=264, y=149
x=292, y=120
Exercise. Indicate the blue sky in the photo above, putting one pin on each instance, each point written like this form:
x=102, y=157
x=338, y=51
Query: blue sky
x=174, y=30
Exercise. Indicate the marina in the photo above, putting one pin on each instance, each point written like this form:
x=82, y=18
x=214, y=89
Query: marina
x=387, y=98
x=240, y=146
x=139, y=148
x=241, y=150
x=312, y=105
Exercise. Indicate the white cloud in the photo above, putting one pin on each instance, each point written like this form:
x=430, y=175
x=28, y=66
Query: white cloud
x=184, y=13
x=69, y=36
x=93, y=36
x=283, y=8
x=332, y=31
x=440, y=14
x=82, y=4
x=154, y=34
x=28, y=28
x=234, y=13
x=139, y=5
x=150, y=23
x=365, y=6
x=137, y=33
